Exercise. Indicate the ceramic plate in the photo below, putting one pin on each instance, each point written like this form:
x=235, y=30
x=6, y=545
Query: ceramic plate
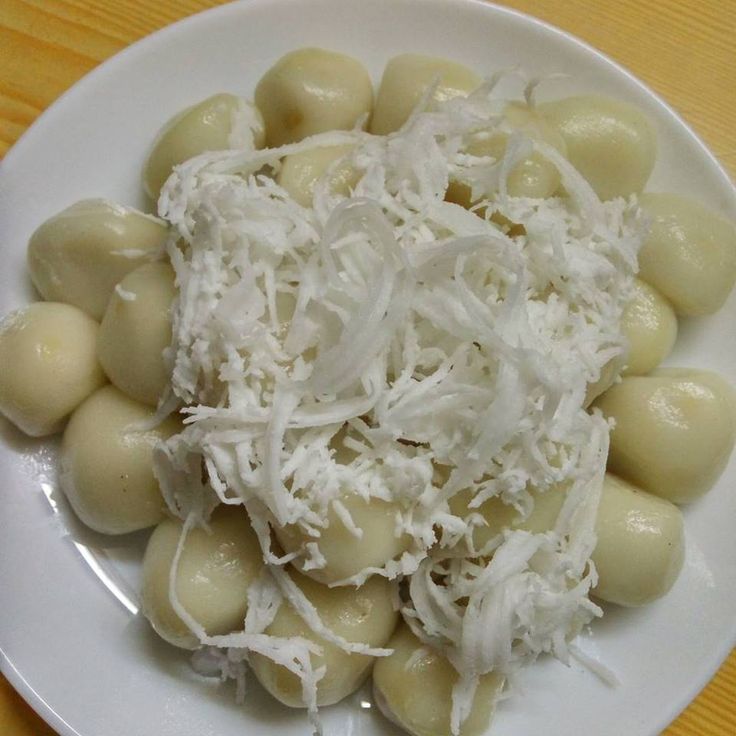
x=70, y=637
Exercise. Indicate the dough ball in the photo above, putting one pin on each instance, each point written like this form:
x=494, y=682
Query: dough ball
x=650, y=327
x=673, y=435
x=220, y=122
x=215, y=570
x=641, y=545
x=413, y=688
x=690, y=254
x=301, y=171
x=48, y=365
x=135, y=331
x=344, y=553
x=407, y=77
x=611, y=143
x=312, y=91
x=362, y=614
x=107, y=463
x=80, y=254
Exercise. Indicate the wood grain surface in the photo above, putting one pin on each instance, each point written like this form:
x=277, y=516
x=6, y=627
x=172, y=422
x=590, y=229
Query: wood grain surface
x=684, y=49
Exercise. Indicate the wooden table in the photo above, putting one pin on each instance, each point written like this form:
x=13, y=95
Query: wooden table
x=684, y=49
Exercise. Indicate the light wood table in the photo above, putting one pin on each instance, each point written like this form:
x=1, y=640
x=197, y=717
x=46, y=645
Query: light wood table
x=684, y=49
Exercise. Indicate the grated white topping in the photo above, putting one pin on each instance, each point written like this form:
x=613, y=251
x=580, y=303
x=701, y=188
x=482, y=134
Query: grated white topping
x=393, y=315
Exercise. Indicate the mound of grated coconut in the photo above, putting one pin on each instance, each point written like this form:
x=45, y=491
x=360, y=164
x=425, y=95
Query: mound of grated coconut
x=430, y=337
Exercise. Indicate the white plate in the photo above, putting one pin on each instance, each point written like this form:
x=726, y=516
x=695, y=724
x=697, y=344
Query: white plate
x=76, y=652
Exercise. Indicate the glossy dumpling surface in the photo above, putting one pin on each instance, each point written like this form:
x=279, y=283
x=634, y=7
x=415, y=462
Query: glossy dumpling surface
x=407, y=77
x=80, y=254
x=135, y=331
x=215, y=570
x=363, y=614
x=107, y=463
x=218, y=123
x=673, y=435
x=611, y=143
x=689, y=254
x=48, y=365
x=413, y=688
x=641, y=544
x=311, y=91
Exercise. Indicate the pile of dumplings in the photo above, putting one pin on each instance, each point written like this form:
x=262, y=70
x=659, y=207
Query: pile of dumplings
x=89, y=361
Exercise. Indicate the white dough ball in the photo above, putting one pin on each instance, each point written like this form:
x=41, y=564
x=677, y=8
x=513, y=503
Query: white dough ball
x=220, y=122
x=534, y=176
x=80, y=254
x=650, y=327
x=611, y=143
x=641, y=545
x=135, y=331
x=413, y=688
x=362, y=614
x=407, y=77
x=48, y=365
x=344, y=553
x=689, y=255
x=673, y=435
x=301, y=171
x=215, y=570
x=312, y=91
x=497, y=515
x=107, y=463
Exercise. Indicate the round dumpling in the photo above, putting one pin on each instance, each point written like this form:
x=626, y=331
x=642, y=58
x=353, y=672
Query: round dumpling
x=48, y=365
x=135, y=331
x=497, y=515
x=218, y=123
x=363, y=614
x=689, y=255
x=407, y=77
x=312, y=91
x=301, y=171
x=107, y=463
x=346, y=554
x=611, y=143
x=641, y=545
x=673, y=434
x=215, y=570
x=650, y=327
x=534, y=176
x=413, y=688
x=80, y=254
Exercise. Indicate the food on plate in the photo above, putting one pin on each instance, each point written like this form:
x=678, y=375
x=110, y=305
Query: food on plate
x=106, y=462
x=611, y=143
x=413, y=688
x=48, y=365
x=689, y=255
x=300, y=172
x=407, y=78
x=135, y=331
x=368, y=528
x=372, y=405
x=491, y=518
x=641, y=545
x=220, y=122
x=650, y=327
x=673, y=434
x=360, y=616
x=215, y=570
x=311, y=91
x=533, y=175
x=80, y=254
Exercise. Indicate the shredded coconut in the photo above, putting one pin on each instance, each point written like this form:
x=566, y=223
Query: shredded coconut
x=437, y=338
